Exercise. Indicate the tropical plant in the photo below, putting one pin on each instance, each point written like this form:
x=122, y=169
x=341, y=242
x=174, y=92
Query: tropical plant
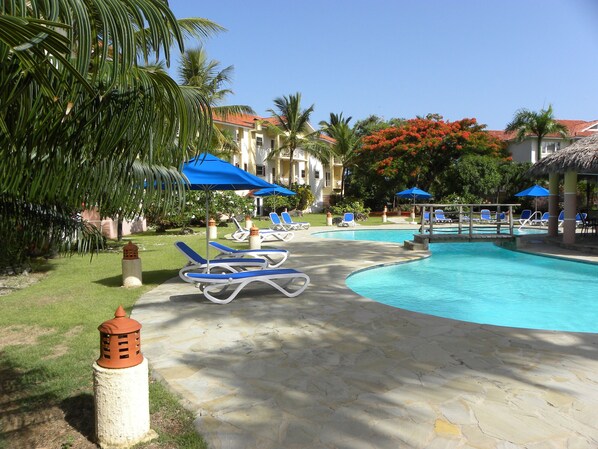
x=417, y=152
x=350, y=205
x=539, y=124
x=345, y=145
x=204, y=74
x=291, y=124
x=82, y=122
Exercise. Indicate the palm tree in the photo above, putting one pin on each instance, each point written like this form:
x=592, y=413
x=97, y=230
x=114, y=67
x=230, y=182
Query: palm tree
x=540, y=124
x=292, y=125
x=198, y=71
x=346, y=143
x=81, y=121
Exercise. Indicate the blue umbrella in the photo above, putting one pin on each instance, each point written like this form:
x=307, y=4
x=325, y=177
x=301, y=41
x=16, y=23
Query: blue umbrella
x=534, y=191
x=207, y=172
x=274, y=191
x=414, y=193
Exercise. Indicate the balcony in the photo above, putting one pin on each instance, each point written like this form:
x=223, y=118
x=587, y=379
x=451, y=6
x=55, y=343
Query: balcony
x=298, y=155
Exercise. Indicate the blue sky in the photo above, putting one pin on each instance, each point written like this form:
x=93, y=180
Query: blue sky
x=398, y=58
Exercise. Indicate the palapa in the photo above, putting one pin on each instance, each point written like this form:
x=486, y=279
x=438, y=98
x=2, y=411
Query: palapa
x=581, y=156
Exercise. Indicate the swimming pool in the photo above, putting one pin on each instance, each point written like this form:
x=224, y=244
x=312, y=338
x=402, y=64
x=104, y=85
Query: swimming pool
x=393, y=235
x=483, y=283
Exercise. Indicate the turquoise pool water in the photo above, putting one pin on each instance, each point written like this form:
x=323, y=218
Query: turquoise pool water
x=393, y=235
x=483, y=283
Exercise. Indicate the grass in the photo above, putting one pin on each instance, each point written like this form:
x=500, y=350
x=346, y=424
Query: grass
x=50, y=336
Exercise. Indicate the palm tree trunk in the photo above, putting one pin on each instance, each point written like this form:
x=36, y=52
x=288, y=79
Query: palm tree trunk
x=343, y=183
x=539, y=149
x=291, y=152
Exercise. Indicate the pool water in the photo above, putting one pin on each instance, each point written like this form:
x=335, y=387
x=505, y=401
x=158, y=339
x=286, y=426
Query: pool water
x=487, y=284
x=396, y=235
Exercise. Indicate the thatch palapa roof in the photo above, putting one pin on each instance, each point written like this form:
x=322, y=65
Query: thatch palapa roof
x=581, y=156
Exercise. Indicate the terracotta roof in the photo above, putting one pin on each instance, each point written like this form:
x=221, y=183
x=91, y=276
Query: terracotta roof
x=576, y=128
x=327, y=138
x=245, y=120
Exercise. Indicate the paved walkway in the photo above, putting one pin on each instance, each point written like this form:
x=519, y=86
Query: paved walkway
x=333, y=370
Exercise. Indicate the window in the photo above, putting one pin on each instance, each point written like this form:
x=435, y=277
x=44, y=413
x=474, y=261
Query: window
x=272, y=144
x=259, y=141
x=245, y=167
x=260, y=170
x=303, y=173
x=550, y=147
x=327, y=179
x=317, y=174
x=273, y=172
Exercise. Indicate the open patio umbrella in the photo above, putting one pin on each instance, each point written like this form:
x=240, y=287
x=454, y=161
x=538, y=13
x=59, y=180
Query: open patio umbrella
x=207, y=172
x=534, y=191
x=415, y=194
x=275, y=191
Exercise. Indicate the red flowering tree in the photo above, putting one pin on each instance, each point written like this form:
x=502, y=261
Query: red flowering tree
x=419, y=150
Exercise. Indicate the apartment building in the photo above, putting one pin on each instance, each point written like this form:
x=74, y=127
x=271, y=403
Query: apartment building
x=526, y=150
x=255, y=142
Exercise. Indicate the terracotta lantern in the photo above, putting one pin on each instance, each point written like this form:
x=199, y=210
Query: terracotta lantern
x=120, y=342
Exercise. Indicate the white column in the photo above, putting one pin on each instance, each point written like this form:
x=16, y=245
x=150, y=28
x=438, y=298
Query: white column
x=553, y=205
x=570, y=207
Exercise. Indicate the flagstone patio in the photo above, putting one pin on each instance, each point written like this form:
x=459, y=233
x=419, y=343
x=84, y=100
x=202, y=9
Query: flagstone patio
x=331, y=369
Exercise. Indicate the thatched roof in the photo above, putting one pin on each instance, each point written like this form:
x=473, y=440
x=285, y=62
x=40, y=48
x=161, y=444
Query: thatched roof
x=581, y=156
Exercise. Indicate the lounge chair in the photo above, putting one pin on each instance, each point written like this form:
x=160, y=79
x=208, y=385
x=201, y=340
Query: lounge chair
x=286, y=218
x=561, y=218
x=275, y=257
x=440, y=218
x=525, y=216
x=542, y=221
x=486, y=216
x=580, y=219
x=348, y=219
x=196, y=263
x=214, y=286
x=241, y=234
x=277, y=225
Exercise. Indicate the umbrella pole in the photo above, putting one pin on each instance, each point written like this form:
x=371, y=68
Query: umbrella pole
x=207, y=231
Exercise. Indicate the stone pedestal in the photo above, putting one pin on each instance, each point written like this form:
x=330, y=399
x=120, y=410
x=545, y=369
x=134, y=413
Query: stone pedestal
x=254, y=238
x=122, y=406
x=212, y=230
x=131, y=269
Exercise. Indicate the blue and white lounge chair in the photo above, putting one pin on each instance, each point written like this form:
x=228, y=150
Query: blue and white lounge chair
x=196, y=263
x=440, y=218
x=214, y=286
x=241, y=234
x=561, y=218
x=348, y=219
x=277, y=225
x=580, y=219
x=542, y=221
x=485, y=215
x=275, y=257
x=525, y=216
x=286, y=218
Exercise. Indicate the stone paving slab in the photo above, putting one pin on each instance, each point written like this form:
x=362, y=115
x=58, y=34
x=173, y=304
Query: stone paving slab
x=330, y=369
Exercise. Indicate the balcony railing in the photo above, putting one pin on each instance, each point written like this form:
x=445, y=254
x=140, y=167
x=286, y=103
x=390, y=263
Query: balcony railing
x=297, y=154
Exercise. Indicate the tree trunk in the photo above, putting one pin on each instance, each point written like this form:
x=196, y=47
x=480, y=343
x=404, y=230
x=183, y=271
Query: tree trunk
x=343, y=183
x=291, y=153
x=539, y=149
